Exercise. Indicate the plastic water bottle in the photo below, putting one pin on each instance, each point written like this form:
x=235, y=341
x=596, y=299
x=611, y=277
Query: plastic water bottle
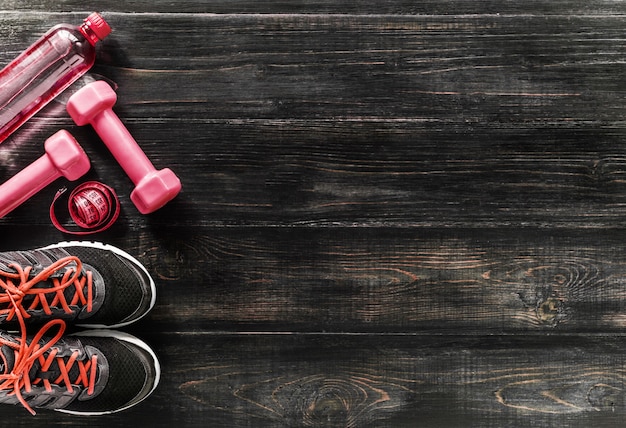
x=46, y=68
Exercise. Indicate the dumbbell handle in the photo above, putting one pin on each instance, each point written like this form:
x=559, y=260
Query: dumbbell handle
x=122, y=145
x=26, y=183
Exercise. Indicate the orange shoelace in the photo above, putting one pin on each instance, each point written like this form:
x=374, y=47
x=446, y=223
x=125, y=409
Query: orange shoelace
x=18, y=285
x=27, y=354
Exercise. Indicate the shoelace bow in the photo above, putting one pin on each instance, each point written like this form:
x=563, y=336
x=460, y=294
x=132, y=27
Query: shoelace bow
x=26, y=354
x=18, y=285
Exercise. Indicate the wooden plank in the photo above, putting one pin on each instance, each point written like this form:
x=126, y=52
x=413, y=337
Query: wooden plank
x=375, y=280
x=407, y=174
x=372, y=280
x=469, y=69
x=399, y=381
x=407, y=7
x=357, y=280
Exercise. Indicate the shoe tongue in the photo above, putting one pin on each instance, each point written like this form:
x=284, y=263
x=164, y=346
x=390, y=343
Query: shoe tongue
x=7, y=359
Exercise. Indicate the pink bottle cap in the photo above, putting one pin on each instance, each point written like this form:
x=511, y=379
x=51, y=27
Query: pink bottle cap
x=95, y=28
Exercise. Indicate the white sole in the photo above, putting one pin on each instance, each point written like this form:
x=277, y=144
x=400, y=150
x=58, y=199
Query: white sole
x=122, y=253
x=124, y=337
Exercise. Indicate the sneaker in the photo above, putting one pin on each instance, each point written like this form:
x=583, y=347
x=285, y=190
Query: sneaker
x=91, y=284
x=89, y=373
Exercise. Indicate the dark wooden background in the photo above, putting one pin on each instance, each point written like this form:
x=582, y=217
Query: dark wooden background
x=394, y=213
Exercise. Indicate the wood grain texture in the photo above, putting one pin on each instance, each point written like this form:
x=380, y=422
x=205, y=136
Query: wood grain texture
x=399, y=7
x=403, y=381
x=324, y=380
x=326, y=120
x=391, y=281
x=393, y=213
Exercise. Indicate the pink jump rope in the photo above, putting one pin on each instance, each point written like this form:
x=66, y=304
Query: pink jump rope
x=37, y=76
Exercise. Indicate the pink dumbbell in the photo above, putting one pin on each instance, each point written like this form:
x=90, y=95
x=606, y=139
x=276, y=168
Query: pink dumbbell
x=93, y=104
x=63, y=158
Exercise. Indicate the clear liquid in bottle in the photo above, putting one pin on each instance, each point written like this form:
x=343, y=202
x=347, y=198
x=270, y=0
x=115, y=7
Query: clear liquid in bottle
x=46, y=68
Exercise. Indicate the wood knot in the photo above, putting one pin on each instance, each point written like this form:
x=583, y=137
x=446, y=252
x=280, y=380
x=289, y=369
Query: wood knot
x=339, y=401
x=550, y=311
x=315, y=400
x=604, y=397
x=330, y=409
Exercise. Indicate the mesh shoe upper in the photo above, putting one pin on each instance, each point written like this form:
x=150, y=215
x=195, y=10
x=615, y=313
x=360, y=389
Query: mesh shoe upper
x=89, y=283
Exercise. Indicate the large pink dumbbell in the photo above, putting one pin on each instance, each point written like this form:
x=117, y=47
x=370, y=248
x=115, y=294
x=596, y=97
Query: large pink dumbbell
x=93, y=104
x=63, y=158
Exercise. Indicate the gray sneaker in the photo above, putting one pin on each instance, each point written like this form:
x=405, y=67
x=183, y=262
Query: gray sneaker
x=87, y=283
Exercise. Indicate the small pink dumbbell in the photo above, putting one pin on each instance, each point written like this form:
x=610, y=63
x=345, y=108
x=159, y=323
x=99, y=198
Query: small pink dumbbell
x=63, y=158
x=93, y=104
